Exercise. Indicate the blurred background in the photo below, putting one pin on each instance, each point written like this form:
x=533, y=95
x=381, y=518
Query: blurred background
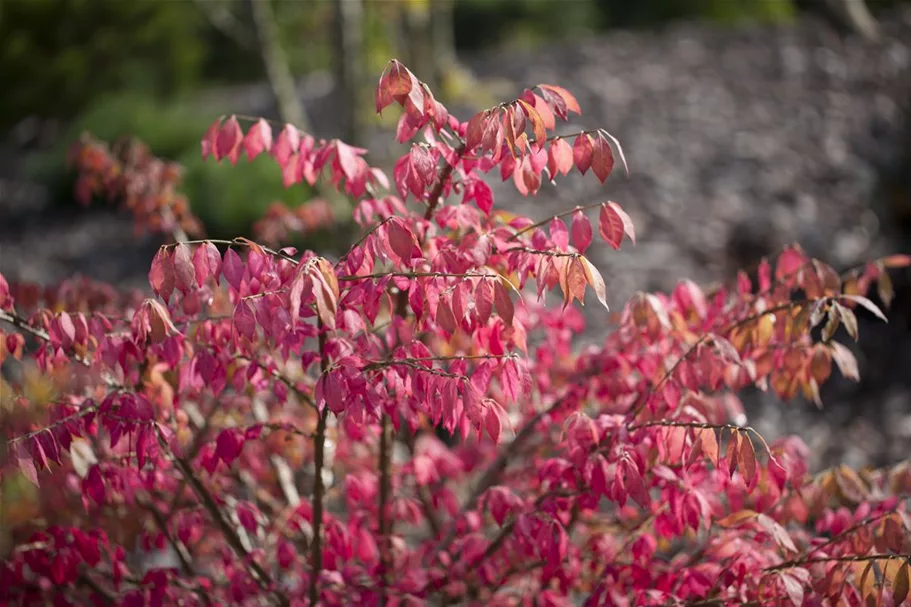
x=748, y=125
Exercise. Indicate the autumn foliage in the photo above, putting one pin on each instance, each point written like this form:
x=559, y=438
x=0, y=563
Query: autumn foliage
x=409, y=424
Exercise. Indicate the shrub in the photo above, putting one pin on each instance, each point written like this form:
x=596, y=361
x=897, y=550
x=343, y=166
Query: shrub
x=266, y=418
x=227, y=201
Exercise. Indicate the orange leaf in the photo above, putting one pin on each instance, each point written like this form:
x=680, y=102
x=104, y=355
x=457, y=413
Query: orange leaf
x=594, y=279
x=747, y=460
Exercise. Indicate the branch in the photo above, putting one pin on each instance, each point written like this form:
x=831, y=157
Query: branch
x=543, y=222
x=837, y=559
x=385, y=524
x=222, y=20
x=415, y=275
x=280, y=77
x=654, y=388
x=492, y=474
x=434, y=198
x=262, y=578
x=319, y=455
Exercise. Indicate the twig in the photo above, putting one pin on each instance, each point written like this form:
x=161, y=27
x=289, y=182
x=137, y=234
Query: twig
x=837, y=559
x=433, y=198
x=319, y=454
x=384, y=522
x=262, y=578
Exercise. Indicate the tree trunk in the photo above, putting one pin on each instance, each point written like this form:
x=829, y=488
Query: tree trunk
x=855, y=15
x=349, y=66
x=279, y=72
x=442, y=30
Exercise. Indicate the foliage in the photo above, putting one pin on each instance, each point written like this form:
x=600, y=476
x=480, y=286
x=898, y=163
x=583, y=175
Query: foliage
x=226, y=201
x=614, y=476
x=59, y=54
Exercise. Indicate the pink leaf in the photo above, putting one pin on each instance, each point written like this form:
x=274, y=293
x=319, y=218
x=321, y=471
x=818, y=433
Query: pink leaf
x=209, y=139
x=207, y=263
x=227, y=144
x=582, y=231
x=184, y=273
x=233, y=268
x=614, y=222
x=484, y=295
x=582, y=152
x=401, y=240
x=559, y=234
x=258, y=139
x=503, y=302
x=602, y=159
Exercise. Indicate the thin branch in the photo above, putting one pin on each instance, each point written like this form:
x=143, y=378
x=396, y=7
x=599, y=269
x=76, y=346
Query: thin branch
x=385, y=525
x=433, y=199
x=319, y=454
x=277, y=68
x=837, y=559
x=655, y=388
x=492, y=474
x=262, y=578
x=415, y=275
x=543, y=222
x=222, y=20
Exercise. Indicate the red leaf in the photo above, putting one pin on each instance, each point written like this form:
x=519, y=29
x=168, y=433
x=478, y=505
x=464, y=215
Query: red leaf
x=228, y=445
x=568, y=98
x=233, y=268
x=559, y=158
x=395, y=84
x=244, y=321
x=207, y=263
x=401, y=240
x=483, y=300
x=227, y=144
x=582, y=231
x=445, y=318
x=184, y=273
x=503, y=302
x=537, y=123
x=547, y=114
x=209, y=139
x=897, y=261
x=602, y=159
x=474, y=134
x=286, y=145
x=559, y=234
x=582, y=152
x=161, y=274
x=747, y=461
x=258, y=139
x=348, y=160
x=614, y=222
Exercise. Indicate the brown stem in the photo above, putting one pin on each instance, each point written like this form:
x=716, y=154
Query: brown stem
x=492, y=474
x=262, y=578
x=319, y=457
x=385, y=490
x=557, y=216
x=416, y=275
x=434, y=198
x=836, y=559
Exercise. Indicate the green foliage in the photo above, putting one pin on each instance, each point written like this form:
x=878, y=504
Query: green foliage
x=228, y=200
x=59, y=54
